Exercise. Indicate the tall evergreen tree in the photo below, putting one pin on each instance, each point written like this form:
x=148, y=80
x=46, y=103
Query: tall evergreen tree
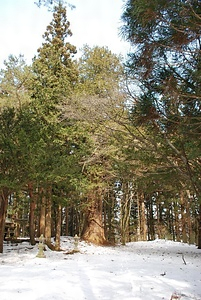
x=54, y=68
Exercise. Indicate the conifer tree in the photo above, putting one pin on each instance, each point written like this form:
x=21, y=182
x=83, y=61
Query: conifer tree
x=55, y=75
x=165, y=61
x=54, y=68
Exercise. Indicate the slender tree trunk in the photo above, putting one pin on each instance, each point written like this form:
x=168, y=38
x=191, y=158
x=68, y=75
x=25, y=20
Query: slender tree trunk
x=188, y=221
x=190, y=211
x=71, y=217
x=183, y=218
x=172, y=221
x=66, y=221
x=3, y=210
x=93, y=230
x=159, y=220
x=199, y=228
x=125, y=215
x=77, y=222
x=138, y=218
x=111, y=217
x=150, y=219
x=58, y=228
x=109, y=211
x=176, y=222
x=48, y=220
x=42, y=214
x=31, y=214
x=142, y=224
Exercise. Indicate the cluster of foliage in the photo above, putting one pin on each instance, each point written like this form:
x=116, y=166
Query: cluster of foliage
x=93, y=148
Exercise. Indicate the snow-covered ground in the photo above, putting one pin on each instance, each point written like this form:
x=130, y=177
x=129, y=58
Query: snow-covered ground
x=143, y=270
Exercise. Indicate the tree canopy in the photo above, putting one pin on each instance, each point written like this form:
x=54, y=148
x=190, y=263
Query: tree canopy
x=106, y=150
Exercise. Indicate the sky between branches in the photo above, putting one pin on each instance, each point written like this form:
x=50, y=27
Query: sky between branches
x=93, y=22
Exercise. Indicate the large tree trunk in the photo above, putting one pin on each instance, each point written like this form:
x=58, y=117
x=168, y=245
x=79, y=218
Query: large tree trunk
x=3, y=209
x=31, y=215
x=93, y=230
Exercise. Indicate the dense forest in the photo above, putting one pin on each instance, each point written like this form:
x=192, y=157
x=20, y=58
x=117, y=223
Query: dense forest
x=99, y=147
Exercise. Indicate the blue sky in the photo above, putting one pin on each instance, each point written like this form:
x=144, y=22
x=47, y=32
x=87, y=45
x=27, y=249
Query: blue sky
x=93, y=22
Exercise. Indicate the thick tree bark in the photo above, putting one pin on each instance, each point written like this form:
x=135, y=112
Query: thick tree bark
x=31, y=215
x=3, y=210
x=93, y=230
